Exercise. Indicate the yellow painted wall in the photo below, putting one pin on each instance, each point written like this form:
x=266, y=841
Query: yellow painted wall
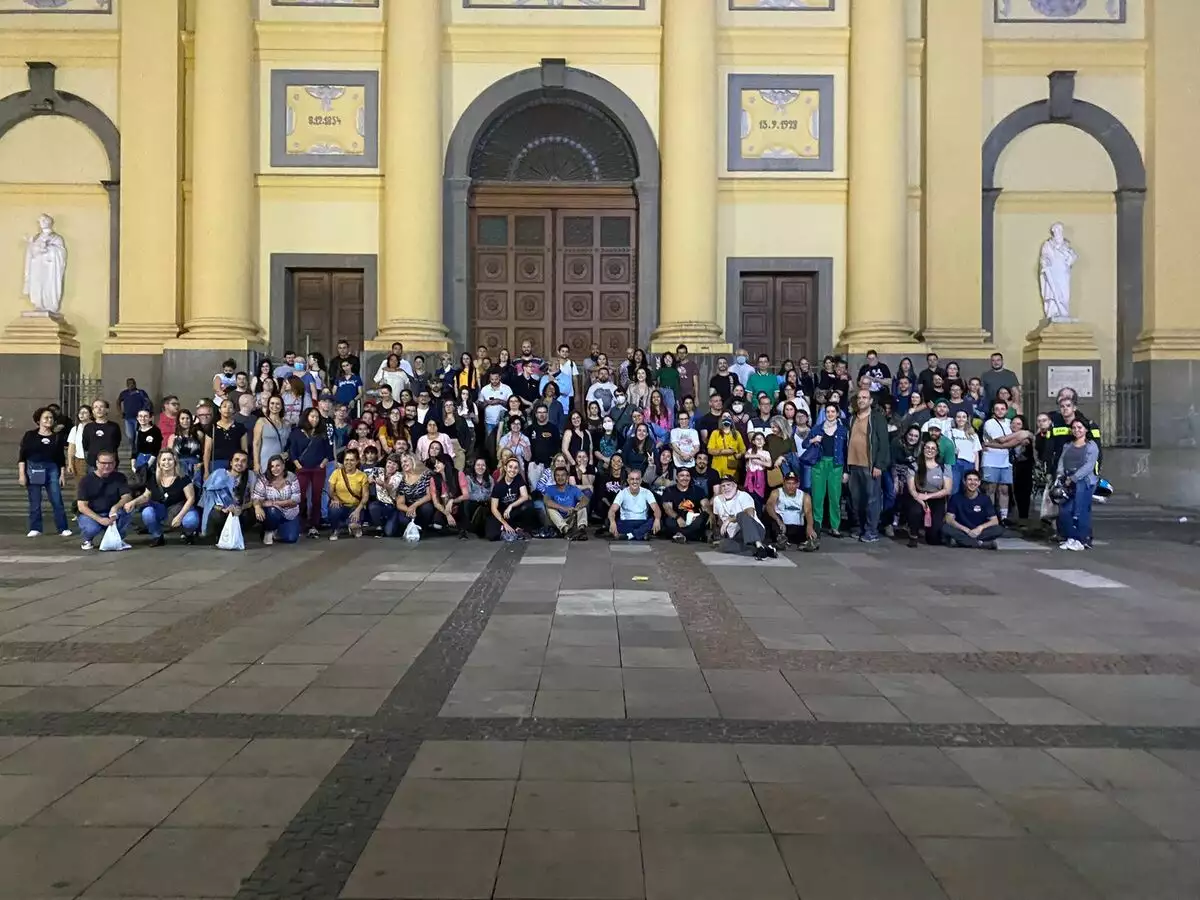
x=55, y=165
x=761, y=219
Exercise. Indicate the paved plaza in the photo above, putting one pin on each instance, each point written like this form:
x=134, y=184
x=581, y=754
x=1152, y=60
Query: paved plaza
x=458, y=719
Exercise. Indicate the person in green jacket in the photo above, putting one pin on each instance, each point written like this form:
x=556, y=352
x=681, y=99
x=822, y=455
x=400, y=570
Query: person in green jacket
x=763, y=381
x=946, y=452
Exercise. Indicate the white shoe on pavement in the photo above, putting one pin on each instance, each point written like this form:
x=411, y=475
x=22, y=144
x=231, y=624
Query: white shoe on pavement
x=86, y=545
x=34, y=534
x=66, y=532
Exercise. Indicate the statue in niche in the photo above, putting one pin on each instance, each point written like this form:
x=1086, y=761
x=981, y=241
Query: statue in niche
x=1057, y=258
x=45, y=267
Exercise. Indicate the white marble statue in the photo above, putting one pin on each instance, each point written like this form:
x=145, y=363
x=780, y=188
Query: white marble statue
x=45, y=267
x=1057, y=258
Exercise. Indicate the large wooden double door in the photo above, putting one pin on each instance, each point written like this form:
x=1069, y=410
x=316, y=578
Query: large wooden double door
x=554, y=267
x=778, y=315
x=327, y=308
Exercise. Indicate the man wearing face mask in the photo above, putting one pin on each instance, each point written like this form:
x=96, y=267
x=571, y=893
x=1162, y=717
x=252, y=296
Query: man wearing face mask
x=622, y=412
x=737, y=522
x=739, y=411
x=741, y=366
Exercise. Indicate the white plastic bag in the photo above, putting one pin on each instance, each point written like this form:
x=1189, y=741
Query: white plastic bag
x=231, y=535
x=1049, y=509
x=112, y=539
x=412, y=533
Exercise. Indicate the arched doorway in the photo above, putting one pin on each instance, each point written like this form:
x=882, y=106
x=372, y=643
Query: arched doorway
x=551, y=216
x=553, y=230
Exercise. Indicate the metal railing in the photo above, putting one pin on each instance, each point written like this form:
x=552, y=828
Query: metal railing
x=1123, y=414
x=77, y=389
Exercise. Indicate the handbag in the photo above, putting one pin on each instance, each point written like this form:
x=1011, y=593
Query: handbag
x=35, y=473
x=231, y=535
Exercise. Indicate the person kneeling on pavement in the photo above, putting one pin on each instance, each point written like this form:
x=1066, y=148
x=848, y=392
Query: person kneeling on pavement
x=228, y=492
x=634, y=514
x=566, y=506
x=169, y=501
x=971, y=519
x=790, y=512
x=685, y=509
x=102, y=495
x=737, y=521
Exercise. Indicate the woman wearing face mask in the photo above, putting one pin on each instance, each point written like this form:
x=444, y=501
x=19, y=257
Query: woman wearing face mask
x=608, y=444
x=736, y=520
x=725, y=447
x=607, y=487
x=831, y=436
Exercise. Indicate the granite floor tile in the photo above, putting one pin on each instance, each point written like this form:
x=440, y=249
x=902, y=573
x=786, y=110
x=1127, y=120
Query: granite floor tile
x=24, y=796
x=831, y=708
x=664, y=761
x=176, y=757
x=580, y=678
x=467, y=759
x=1063, y=813
x=599, y=865
x=72, y=756
x=488, y=704
x=57, y=698
x=246, y=700
x=820, y=767
x=1135, y=870
x=807, y=809
x=286, y=757
x=583, y=806
x=242, y=802
x=119, y=801
x=1036, y=711
x=1117, y=769
x=1171, y=813
x=1013, y=768
x=337, y=701
x=698, y=807
x=925, y=810
x=427, y=864
x=59, y=862
x=664, y=680
x=683, y=866
x=579, y=704
x=155, y=698
x=185, y=862
x=655, y=705
x=979, y=869
x=883, y=766
x=114, y=674
x=847, y=684
x=576, y=761
x=1184, y=761
x=857, y=867
x=440, y=803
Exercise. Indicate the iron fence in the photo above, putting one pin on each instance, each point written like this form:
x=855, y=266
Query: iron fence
x=77, y=389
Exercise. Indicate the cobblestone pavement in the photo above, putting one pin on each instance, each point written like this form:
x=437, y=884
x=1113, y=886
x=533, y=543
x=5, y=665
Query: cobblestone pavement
x=461, y=720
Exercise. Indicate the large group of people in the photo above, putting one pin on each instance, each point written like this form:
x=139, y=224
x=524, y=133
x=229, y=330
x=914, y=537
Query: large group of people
x=761, y=458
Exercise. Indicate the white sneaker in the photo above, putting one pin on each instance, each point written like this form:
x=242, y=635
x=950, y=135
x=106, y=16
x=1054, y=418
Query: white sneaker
x=1070, y=544
x=86, y=545
x=334, y=536
x=125, y=546
x=66, y=532
x=268, y=538
x=34, y=534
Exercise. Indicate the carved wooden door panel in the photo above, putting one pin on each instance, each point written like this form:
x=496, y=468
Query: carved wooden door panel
x=794, y=306
x=595, y=298
x=511, y=279
x=757, y=314
x=328, y=307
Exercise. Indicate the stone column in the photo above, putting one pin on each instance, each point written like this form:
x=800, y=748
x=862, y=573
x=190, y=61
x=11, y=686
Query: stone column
x=953, y=181
x=220, y=314
x=150, y=197
x=877, y=213
x=688, y=296
x=410, y=300
x=1167, y=353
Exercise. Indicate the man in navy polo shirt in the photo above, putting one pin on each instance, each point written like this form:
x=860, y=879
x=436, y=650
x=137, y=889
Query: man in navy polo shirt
x=971, y=519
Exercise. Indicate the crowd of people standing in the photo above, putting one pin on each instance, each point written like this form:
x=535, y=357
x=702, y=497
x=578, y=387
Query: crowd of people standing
x=772, y=457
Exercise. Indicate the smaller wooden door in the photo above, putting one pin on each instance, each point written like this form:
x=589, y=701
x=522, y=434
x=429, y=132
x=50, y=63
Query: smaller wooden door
x=778, y=315
x=328, y=307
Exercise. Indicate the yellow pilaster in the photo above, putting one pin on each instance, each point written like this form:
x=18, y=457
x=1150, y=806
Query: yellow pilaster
x=410, y=308
x=1171, y=323
x=877, y=208
x=220, y=314
x=150, y=99
x=953, y=179
x=688, y=297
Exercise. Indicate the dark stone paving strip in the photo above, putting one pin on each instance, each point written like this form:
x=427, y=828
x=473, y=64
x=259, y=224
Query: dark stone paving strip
x=714, y=731
x=318, y=849
x=177, y=640
x=191, y=725
x=720, y=638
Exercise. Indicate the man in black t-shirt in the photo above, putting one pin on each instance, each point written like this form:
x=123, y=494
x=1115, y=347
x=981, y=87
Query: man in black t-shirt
x=101, y=495
x=724, y=381
x=343, y=353
x=711, y=420
x=878, y=372
x=544, y=442
x=101, y=435
x=527, y=382
x=685, y=510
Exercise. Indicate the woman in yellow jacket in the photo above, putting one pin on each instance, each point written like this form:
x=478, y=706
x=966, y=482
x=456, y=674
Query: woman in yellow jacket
x=726, y=446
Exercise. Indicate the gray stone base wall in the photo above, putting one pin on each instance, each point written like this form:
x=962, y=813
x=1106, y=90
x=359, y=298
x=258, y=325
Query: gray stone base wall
x=32, y=380
x=1172, y=417
x=189, y=373
x=145, y=368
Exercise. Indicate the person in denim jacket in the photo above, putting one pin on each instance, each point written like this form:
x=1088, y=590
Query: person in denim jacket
x=831, y=436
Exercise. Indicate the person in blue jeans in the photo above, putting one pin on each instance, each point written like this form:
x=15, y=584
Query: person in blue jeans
x=132, y=401
x=1077, y=467
x=169, y=501
x=634, y=514
x=41, y=464
x=102, y=496
x=277, y=503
